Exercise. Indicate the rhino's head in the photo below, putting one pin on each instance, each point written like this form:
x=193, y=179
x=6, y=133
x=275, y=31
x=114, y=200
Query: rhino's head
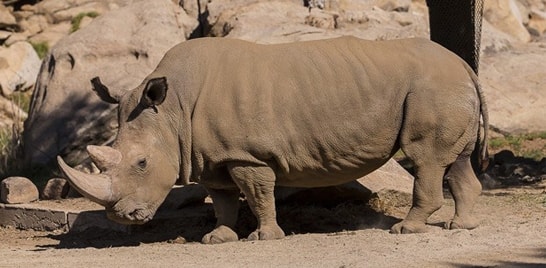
x=142, y=165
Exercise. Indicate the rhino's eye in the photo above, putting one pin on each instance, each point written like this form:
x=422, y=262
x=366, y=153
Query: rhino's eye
x=142, y=163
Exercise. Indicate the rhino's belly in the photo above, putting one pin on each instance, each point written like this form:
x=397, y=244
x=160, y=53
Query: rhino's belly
x=328, y=175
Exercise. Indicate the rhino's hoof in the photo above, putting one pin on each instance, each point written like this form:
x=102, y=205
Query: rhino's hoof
x=409, y=227
x=267, y=234
x=219, y=235
x=458, y=223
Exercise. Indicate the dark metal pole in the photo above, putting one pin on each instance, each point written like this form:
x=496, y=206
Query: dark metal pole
x=456, y=25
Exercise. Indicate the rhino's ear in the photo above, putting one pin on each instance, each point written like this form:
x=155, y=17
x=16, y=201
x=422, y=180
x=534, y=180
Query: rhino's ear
x=103, y=92
x=155, y=92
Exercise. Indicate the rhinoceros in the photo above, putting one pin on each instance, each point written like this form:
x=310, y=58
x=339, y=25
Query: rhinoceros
x=237, y=117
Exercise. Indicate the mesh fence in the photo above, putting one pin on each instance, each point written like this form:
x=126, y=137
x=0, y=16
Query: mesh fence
x=456, y=25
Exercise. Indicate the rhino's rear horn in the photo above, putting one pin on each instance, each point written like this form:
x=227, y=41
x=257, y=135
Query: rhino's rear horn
x=155, y=92
x=104, y=157
x=103, y=92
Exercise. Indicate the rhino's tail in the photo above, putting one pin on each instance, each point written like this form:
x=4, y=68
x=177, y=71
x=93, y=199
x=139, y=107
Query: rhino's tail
x=483, y=158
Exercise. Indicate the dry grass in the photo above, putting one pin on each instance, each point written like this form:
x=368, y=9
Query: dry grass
x=10, y=151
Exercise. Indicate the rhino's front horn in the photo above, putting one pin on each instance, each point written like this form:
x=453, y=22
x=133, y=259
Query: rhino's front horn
x=104, y=157
x=97, y=188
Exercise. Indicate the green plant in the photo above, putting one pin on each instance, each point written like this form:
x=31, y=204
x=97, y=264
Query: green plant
x=528, y=145
x=535, y=154
x=41, y=48
x=21, y=99
x=76, y=21
x=497, y=143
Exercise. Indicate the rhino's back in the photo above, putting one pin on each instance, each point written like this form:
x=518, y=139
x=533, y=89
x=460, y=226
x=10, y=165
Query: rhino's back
x=309, y=109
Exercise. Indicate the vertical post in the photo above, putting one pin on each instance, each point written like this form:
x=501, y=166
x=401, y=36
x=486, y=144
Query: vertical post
x=456, y=25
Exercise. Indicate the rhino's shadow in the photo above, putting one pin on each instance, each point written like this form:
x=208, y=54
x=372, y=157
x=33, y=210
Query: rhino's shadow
x=196, y=221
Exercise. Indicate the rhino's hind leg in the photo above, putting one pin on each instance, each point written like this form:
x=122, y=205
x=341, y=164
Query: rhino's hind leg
x=226, y=208
x=465, y=188
x=257, y=183
x=427, y=198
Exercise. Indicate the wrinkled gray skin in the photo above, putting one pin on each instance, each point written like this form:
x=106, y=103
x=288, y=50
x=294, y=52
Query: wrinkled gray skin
x=240, y=117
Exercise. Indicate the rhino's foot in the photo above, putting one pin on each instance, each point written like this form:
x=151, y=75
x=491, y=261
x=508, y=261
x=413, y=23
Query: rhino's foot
x=409, y=227
x=267, y=233
x=460, y=223
x=219, y=235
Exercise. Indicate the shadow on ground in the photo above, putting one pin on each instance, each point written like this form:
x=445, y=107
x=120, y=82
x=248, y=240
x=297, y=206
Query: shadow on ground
x=293, y=218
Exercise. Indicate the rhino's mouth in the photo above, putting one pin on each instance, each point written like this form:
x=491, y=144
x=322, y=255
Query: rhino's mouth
x=124, y=209
x=130, y=215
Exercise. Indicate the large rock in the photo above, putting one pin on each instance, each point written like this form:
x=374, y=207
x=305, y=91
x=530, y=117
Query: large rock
x=513, y=81
x=289, y=21
x=64, y=10
x=537, y=22
x=50, y=20
x=494, y=40
x=506, y=16
x=55, y=188
x=52, y=34
x=17, y=190
x=19, y=66
x=7, y=20
x=121, y=47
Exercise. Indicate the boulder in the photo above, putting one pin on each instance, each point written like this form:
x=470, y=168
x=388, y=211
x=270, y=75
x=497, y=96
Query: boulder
x=55, y=188
x=17, y=190
x=287, y=21
x=122, y=47
x=4, y=35
x=19, y=66
x=262, y=22
x=34, y=24
x=506, y=16
x=537, y=22
x=52, y=35
x=65, y=10
x=494, y=40
x=16, y=37
x=391, y=176
x=194, y=8
x=50, y=20
x=513, y=82
x=394, y=5
x=7, y=20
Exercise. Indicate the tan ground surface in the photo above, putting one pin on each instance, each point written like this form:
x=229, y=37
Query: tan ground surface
x=513, y=233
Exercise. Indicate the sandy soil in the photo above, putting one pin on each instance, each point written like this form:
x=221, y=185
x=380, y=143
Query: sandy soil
x=512, y=233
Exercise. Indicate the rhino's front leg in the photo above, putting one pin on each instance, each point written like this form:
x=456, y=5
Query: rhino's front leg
x=257, y=183
x=226, y=208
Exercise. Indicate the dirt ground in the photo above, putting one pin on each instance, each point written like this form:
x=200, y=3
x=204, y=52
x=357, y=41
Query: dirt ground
x=349, y=234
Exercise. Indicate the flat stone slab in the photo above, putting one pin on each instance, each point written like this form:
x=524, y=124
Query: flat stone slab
x=46, y=215
x=79, y=214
